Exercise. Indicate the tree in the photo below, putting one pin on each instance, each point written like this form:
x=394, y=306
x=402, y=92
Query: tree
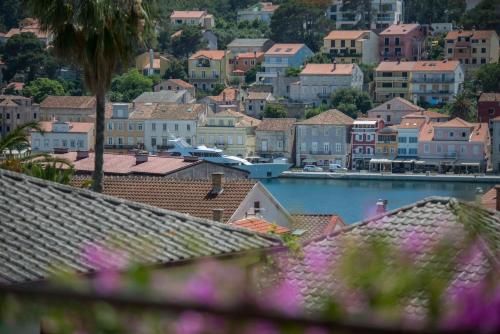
x=189, y=41
x=23, y=53
x=484, y=16
x=346, y=98
x=251, y=74
x=275, y=111
x=40, y=88
x=293, y=72
x=463, y=106
x=488, y=77
x=436, y=50
x=176, y=70
x=10, y=14
x=128, y=86
x=97, y=35
x=430, y=11
x=218, y=88
x=319, y=58
x=368, y=70
x=316, y=111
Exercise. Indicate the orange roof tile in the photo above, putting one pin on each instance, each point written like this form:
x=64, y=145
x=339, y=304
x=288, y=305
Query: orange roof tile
x=454, y=123
x=16, y=85
x=346, y=34
x=259, y=225
x=73, y=102
x=400, y=29
x=411, y=123
x=328, y=69
x=436, y=66
x=489, y=200
x=284, y=49
x=181, y=83
x=187, y=14
x=395, y=66
x=479, y=34
x=228, y=94
x=489, y=97
x=211, y=54
x=74, y=127
x=332, y=117
x=427, y=114
x=276, y=124
x=317, y=225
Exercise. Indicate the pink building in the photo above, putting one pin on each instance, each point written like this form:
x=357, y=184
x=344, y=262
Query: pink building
x=401, y=41
x=455, y=146
x=363, y=141
x=246, y=61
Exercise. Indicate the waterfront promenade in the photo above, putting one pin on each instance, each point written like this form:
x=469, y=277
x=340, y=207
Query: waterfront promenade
x=480, y=178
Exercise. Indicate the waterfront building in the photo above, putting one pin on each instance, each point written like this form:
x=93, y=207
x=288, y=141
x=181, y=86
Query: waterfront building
x=391, y=112
x=324, y=139
x=277, y=60
x=392, y=79
x=15, y=111
x=472, y=48
x=495, y=144
x=317, y=82
x=74, y=136
x=172, y=120
x=256, y=102
x=152, y=63
x=386, y=148
x=363, y=141
x=249, y=45
x=231, y=131
x=208, y=67
x=352, y=46
x=192, y=17
x=383, y=13
x=275, y=138
x=68, y=108
x=455, y=145
x=401, y=41
x=488, y=107
x=175, y=85
x=262, y=11
x=408, y=133
x=436, y=82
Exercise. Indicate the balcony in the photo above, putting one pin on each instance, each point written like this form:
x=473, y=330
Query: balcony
x=432, y=92
x=342, y=53
x=271, y=65
x=432, y=80
x=380, y=78
x=391, y=89
x=324, y=95
x=317, y=152
x=362, y=156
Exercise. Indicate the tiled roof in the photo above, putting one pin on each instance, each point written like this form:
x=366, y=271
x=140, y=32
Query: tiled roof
x=313, y=226
x=489, y=200
x=395, y=66
x=259, y=96
x=45, y=226
x=431, y=220
x=228, y=94
x=436, y=66
x=8, y=103
x=125, y=164
x=489, y=97
x=74, y=127
x=454, y=123
x=180, y=83
x=284, y=49
x=479, y=131
x=427, y=114
x=72, y=102
x=174, y=111
x=16, y=85
x=211, y=54
x=399, y=29
x=243, y=121
x=250, y=55
x=247, y=42
x=276, y=124
x=332, y=117
x=187, y=14
x=328, y=69
x=397, y=104
x=411, y=123
x=346, y=34
x=260, y=225
x=192, y=197
x=479, y=34
x=162, y=96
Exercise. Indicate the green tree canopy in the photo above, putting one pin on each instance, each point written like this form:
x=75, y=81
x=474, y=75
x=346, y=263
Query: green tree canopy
x=320, y=58
x=352, y=101
x=316, y=111
x=11, y=12
x=463, y=106
x=488, y=77
x=189, y=41
x=484, y=16
x=40, y=88
x=23, y=53
x=128, y=86
x=251, y=74
x=430, y=11
x=176, y=70
x=275, y=111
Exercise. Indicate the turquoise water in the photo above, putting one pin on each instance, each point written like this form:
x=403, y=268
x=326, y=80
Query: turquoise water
x=355, y=200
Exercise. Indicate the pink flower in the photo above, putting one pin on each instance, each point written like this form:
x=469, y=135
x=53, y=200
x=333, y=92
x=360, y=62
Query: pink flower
x=202, y=288
x=414, y=243
x=190, y=323
x=285, y=298
x=317, y=261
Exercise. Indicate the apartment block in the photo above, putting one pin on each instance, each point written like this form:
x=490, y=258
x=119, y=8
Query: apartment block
x=401, y=42
x=352, y=46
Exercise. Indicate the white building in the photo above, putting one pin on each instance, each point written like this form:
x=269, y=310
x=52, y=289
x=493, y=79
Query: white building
x=262, y=11
x=172, y=120
x=63, y=135
x=408, y=132
x=383, y=12
x=318, y=81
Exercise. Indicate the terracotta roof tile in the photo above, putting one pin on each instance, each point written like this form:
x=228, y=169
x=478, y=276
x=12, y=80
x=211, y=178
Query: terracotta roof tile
x=436, y=66
x=174, y=111
x=479, y=34
x=314, y=226
x=187, y=14
x=261, y=226
x=74, y=127
x=191, y=197
x=346, y=34
x=181, y=83
x=411, y=123
x=427, y=114
x=395, y=66
x=211, y=54
x=397, y=104
x=284, y=49
x=328, y=69
x=228, y=94
x=489, y=200
x=489, y=97
x=73, y=102
x=250, y=55
x=276, y=124
x=332, y=117
x=400, y=29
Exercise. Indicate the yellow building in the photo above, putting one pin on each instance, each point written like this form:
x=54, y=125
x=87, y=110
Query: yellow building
x=392, y=79
x=230, y=131
x=208, y=68
x=352, y=46
x=151, y=63
x=125, y=127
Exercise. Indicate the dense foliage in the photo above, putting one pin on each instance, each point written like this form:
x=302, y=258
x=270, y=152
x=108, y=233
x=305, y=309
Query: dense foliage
x=488, y=78
x=351, y=101
x=275, y=111
x=128, y=86
x=40, y=88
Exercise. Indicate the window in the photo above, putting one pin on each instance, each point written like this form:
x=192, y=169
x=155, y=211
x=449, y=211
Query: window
x=72, y=143
x=314, y=147
x=402, y=139
x=388, y=118
x=139, y=126
x=402, y=151
x=396, y=40
x=120, y=141
x=110, y=126
x=325, y=131
x=326, y=147
x=353, y=43
x=176, y=127
x=483, y=61
x=153, y=141
x=64, y=143
x=386, y=41
x=280, y=144
x=34, y=115
x=8, y=116
x=221, y=139
x=202, y=140
x=464, y=134
x=18, y=116
x=303, y=147
x=153, y=126
x=110, y=141
x=46, y=143
x=412, y=151
x=451, y=134
x=250, y=107
x=239, y=140
x=188, y=127
x=450, y=51
x=130, y=126
x=483, y=50
x=463, y=149
x=164, y=126
x=413, y=140
x=256, y=207
x=439, y=148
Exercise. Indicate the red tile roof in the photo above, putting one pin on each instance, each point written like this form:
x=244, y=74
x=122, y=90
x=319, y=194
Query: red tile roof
x=479, y=34
x=74, y=127
x=400, y=29
x=411, y=122
x=259, y=225
x=125, y=164
x=181, y=83
x=317, y=225
x=187, y=14
x=284, y=49
x=393, y=66
x=436, y=66
x=346, y=34
x=211, y=54
x=427, y=114
x=489, y=200
x=276, y=124
x=332, y=117
x=191, y=197
x=328, y=69
x=71, y=102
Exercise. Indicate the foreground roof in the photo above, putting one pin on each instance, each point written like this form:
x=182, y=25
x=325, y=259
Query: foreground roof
x=192, y=197
x=312, y=226
x=260, y=225
x=430, y=220
x=45, y=226
x=332, y=117
x=479, y=34
x=346, y=34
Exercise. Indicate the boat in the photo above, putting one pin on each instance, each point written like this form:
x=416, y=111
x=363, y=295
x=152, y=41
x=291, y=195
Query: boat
x=179, y=147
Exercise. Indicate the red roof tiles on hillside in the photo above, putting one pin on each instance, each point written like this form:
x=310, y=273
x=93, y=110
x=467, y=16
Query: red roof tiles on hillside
x=400, y=29
x=331, y=117
x=328, y=69
x=479, y=34
x=70, y=102
x=211, y=54
x=259, y=225
x=276, y=124
x=346, y=34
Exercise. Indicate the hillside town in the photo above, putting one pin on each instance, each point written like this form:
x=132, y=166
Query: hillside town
x=274, y=137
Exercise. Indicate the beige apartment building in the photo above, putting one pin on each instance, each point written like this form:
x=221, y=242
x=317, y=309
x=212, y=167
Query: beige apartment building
x=15, y=111
x=68, y=108
x=352, y=46
x=392, y=79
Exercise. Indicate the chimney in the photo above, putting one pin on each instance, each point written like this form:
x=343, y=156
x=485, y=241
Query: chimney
x=497, y=189
x=217, y=181
x=224, y=96
x=218, y=215
x=82, y=155
x=141, y=157
x=381, y=206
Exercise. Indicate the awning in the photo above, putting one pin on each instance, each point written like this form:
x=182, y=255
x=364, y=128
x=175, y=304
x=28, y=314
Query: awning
x=380, y=161
x=404, y=161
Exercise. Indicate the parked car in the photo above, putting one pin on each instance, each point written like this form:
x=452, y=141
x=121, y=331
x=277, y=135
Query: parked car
x=312, y=168
x=336, y=168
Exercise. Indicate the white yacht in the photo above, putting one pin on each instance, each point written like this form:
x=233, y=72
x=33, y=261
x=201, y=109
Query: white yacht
x=179, y=147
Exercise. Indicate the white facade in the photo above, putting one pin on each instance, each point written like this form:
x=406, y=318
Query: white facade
x=408, y=142
x=63, y=135
x=157, y=132
x=384, y=13
x=436, y=87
